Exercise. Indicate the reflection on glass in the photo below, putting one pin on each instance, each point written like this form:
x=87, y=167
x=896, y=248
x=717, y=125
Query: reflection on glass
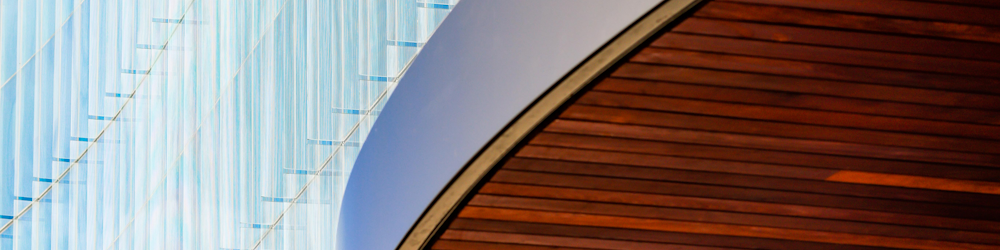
x=191, y=124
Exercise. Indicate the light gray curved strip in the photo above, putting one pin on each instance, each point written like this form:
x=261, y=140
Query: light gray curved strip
x=484, y=65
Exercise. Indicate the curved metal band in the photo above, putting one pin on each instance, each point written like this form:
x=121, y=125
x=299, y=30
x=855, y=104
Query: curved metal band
x=447, y=203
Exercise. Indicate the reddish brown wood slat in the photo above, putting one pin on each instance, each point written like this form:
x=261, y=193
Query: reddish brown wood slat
x=768, y=124
x=826, y=71
x=826, y=19
x=708, y=228
x=896, y=8
x=839, y=38
x=805, y=85
x=736, y=206
x=777, y=129
x=770, y=143
x=730, y=218
x=819, y=54
x=459, y=245
x=818, y=186
x=797, y=100
x=976, y=3
x=645, y=235
x=800, y=116
x=556, y=241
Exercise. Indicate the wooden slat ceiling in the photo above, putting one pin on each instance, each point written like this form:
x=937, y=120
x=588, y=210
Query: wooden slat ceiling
x=769, y=124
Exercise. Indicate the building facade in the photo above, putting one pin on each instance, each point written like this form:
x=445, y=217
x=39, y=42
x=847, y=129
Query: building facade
x=191, y=124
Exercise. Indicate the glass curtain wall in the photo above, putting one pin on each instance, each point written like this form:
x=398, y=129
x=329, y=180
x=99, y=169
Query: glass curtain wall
x=191, y=124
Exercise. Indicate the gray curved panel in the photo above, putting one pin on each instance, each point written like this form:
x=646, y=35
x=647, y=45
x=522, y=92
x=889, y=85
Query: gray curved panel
x=485, y=64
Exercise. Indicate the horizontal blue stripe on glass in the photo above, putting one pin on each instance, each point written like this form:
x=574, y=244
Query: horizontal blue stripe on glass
x=102, y=118
x=135, y=71
x=84, y=139
x=149, y=46
x=49, y=180
x=306, y=172
x=435, y=6
x=22, y=198
x=265, y=226
x=276, y=199
x=8, y=217
x=167, y=20
x=406, y=44
x=71, y=160
x=349, y=111
x=379, y=78
x=330, y=143
x=279, y=199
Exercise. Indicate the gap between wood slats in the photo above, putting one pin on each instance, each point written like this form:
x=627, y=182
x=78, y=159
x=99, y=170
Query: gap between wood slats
x=736, y=167
x=857, y=177
x=796, y=16
x=841, y=39
x=746, y=194
x=808, y=53
x=799, y=101
x=768, y=157
x=709, y=228
x=645, y=235
x=721, y=78
x=776, y=129
x=719, y=217
x=631, y=101
x=770, y=143
x=815, y=186
x=463, y=245
x=556, y=241
x=975, y=3
x=738, y=206
x=687, y=58
x=895, y=8
x=752, y=155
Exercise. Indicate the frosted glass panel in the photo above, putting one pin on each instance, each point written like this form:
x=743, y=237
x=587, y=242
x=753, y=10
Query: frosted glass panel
x=191, y=124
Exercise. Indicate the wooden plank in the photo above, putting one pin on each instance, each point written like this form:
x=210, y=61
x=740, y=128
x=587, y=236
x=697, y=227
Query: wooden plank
x=719, y=217
x=896, y=8
x=797, y=100
x=769, y=143
x=839, y=38
x=796, y=16
x=646, y=235
x=763, y=156
x=685, y=58
x=726, y=179
x=776, y=129
x=745, y=194
x=819, y=54
x=979, y=3
x=463, y=245
x=805, y=85
x=917, y=182
x=737, y=206
x=708, y=228
x=556, y=241
x=659, y=161
x=800, y=116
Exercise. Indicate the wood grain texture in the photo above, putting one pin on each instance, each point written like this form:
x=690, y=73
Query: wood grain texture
x=840, y=39
x=768, y=124
x=838, y=20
